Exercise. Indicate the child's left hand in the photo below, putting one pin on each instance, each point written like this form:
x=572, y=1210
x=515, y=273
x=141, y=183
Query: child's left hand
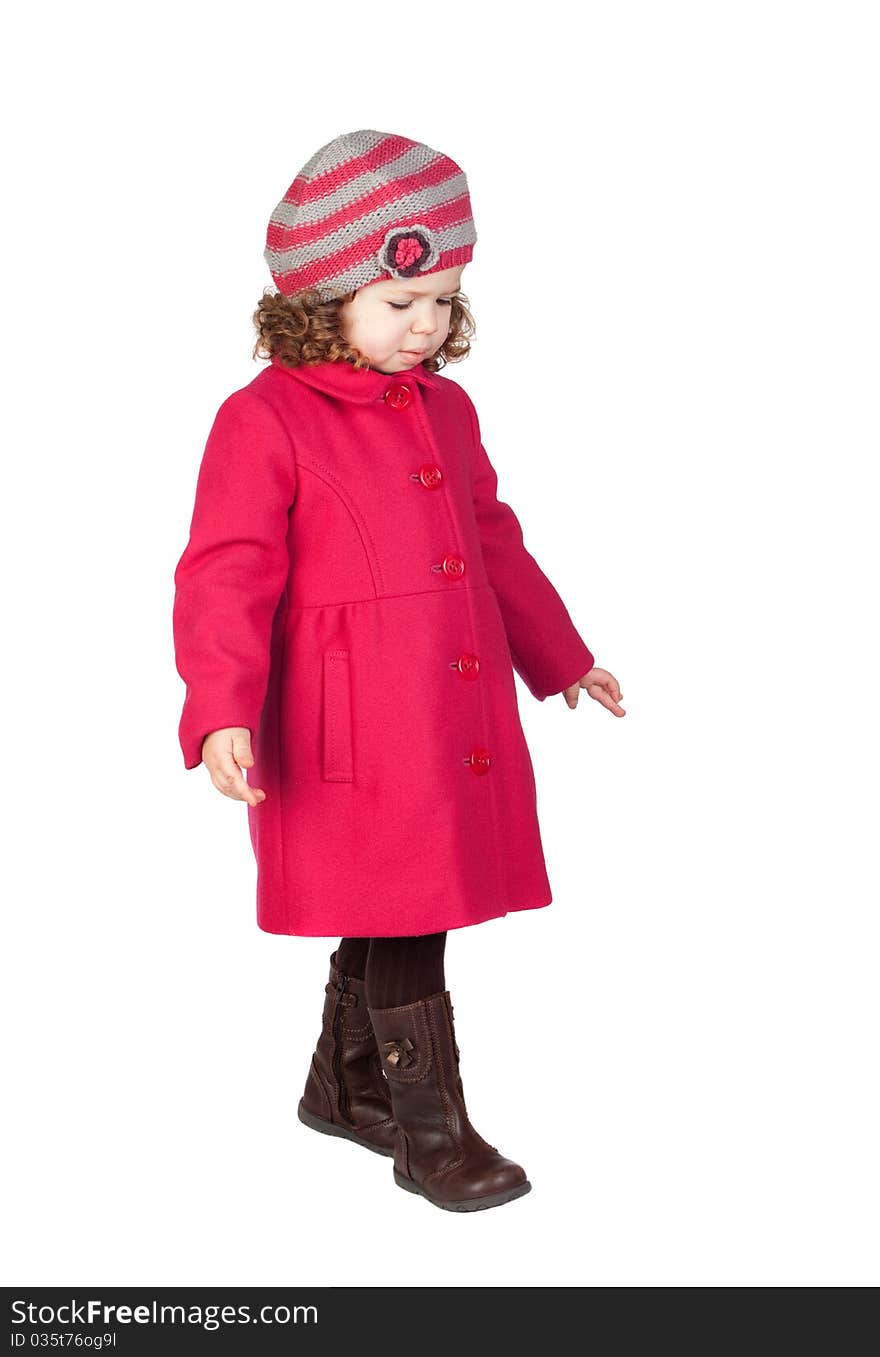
x=602, y=687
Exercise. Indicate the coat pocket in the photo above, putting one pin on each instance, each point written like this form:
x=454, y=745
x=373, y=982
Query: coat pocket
x=337, y=753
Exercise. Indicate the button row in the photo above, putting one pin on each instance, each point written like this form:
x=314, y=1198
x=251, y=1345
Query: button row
x=398, y=397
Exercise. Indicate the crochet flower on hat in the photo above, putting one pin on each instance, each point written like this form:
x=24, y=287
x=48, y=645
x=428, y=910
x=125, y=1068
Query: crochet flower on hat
x=408, y=250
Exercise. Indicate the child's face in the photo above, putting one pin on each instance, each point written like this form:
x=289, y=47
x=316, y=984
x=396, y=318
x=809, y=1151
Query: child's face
x=388, y=318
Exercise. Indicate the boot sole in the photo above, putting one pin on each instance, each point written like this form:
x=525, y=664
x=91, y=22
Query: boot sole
x=329, y=1128
x=475, y=1203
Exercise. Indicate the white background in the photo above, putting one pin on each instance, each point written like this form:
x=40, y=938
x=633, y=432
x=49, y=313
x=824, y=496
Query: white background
x=676, y=294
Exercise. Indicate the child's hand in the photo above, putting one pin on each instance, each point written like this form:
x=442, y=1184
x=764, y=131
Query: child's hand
x=225, y=753
x=602, y=687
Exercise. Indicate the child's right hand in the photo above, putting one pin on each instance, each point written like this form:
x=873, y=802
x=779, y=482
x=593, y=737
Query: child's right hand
x=225, y=753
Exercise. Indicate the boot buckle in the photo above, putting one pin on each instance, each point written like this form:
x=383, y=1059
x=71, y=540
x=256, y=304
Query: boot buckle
x=399, y=1053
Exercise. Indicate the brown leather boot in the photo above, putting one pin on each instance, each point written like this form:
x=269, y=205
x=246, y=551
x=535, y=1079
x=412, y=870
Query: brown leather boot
x=438, y=1153
x=346, y=1093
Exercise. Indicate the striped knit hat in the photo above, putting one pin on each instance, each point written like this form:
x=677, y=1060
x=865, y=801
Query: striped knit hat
x=369, y=206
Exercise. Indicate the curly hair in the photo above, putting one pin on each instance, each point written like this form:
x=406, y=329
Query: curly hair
x=302, y=330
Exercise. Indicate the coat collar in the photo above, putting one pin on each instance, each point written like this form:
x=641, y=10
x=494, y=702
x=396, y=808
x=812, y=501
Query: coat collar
x=343, y=380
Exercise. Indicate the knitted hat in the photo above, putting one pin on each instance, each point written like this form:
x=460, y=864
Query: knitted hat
x=369, y=206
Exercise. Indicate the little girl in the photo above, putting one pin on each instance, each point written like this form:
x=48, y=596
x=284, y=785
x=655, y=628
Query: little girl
x=349, y=610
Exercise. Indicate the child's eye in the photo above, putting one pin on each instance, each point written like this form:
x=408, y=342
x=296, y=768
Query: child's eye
x=404, y=306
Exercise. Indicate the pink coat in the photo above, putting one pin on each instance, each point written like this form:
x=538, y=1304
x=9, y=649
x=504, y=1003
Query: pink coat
x=356, y=595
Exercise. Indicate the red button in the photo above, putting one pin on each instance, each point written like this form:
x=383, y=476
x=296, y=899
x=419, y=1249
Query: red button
x=453, y=566
x=479, y=760
x=468, y=665
x=430, y=475
x=398, y=396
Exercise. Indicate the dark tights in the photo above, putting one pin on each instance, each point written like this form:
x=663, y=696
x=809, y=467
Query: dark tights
x=396, y=970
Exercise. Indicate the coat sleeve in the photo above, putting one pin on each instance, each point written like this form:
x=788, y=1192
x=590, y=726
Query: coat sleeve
x=231, y=576
x=547, y=651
